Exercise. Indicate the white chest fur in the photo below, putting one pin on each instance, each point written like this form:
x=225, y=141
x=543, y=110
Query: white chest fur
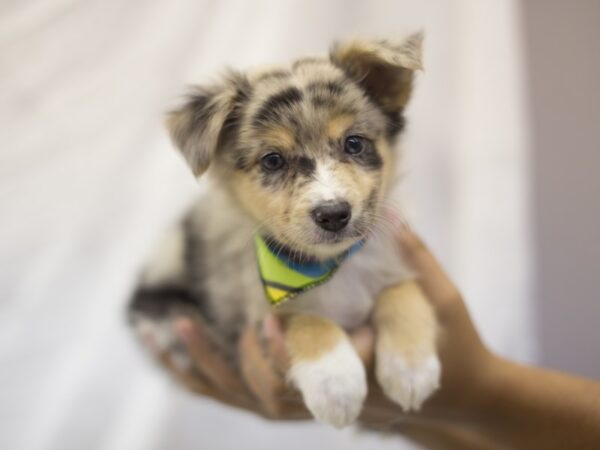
x=348, y=297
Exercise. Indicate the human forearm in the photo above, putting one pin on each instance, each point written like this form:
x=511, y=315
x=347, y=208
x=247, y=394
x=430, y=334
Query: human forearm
x=527, y=407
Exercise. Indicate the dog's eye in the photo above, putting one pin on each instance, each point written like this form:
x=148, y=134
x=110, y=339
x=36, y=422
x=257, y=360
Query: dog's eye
x=272, y=161
x=354, y=145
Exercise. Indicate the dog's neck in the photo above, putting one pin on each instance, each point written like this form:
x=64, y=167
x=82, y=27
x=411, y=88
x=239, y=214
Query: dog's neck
x=283, y=251
x=302, y=258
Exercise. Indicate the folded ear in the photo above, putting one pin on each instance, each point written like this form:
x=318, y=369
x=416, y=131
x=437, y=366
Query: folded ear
x=384, y=69
x=200, y=125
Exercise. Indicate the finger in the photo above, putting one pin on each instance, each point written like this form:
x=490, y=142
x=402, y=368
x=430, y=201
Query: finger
x=189, y=380
x=291, y=405
x=263, y=380
x=363, y=340
x=273, y=332
x=196, y=383
x=186, y=376
x=277, y=351
x=181, y=374
x=208, y=361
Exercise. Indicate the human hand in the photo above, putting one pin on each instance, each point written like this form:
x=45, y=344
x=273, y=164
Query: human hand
x=466, y=362
x=257, y=382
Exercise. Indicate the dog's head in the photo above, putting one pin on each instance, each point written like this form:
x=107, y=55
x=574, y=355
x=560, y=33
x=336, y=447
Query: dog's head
x=306, y=149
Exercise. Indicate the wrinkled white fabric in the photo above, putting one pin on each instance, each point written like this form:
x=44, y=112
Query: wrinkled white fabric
x=88, y=180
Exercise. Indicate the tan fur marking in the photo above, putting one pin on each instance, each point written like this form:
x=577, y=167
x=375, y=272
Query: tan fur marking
x=405, y=321
x=310, y=337
x=279, y=137
x=387, y=155
x=265, y=71
x=338, y=125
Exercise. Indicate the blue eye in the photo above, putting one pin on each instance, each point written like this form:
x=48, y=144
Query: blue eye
x=272, y=161
x=354, y=145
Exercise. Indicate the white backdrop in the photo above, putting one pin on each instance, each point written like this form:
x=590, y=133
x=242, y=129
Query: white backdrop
x=88, y=180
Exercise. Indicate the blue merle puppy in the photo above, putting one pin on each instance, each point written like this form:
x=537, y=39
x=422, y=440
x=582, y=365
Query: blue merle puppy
x=301, y=160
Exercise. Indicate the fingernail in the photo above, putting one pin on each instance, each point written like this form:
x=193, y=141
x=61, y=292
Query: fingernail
x=184, y=327
x=269, y=326
x=403, y=229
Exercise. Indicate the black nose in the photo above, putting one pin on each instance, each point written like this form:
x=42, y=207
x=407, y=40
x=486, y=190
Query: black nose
x=332, y=216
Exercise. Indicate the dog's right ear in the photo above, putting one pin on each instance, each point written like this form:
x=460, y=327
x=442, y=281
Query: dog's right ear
x=200, y=125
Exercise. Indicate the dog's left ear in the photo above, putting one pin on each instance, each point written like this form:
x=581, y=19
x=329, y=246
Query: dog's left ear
x=202, y=123
x=384, y=69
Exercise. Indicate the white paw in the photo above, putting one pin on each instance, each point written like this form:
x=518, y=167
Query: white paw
x=159, y=338
x=334, y=386
x=158, y=333
x=406, y=383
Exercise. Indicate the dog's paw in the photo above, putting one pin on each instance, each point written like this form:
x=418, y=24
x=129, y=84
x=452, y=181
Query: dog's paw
x=159, y=338
x=334, y=386
x=408, y=382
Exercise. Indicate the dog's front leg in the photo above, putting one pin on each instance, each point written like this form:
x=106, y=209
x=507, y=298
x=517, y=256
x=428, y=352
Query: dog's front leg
x=326, y=369
x=407, y=367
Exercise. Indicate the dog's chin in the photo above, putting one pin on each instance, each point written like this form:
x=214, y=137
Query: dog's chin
x=331, y=249
x=324, y=244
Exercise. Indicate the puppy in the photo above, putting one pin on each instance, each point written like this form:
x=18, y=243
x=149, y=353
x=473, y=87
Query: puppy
x=300, y=161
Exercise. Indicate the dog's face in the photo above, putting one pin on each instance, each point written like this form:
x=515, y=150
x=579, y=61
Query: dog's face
x=306, y=149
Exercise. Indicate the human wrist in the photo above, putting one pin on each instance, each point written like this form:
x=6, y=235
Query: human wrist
x=464, y=398
x=490, y=391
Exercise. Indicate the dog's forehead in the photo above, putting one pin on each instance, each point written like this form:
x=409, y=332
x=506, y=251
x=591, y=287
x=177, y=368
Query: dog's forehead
x=300, y=72
x=307, y=100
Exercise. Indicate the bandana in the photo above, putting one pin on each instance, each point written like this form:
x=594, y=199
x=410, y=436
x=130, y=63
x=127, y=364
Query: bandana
x=283, y=278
